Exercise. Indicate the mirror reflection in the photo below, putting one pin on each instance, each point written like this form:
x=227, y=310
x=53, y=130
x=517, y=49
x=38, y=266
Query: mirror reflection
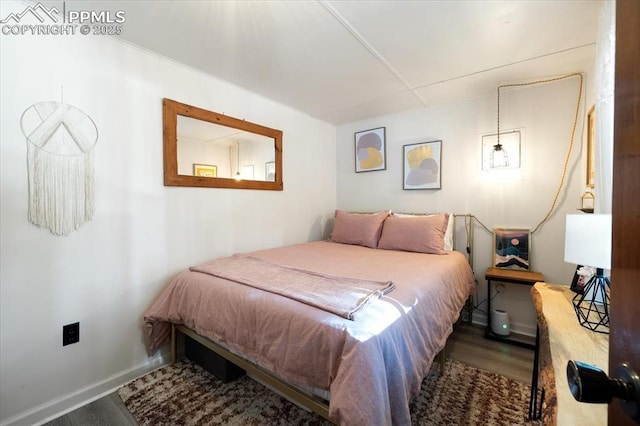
x=210, y=150
x=206, y=149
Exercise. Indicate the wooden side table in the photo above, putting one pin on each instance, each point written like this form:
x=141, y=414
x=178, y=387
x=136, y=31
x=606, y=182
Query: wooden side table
x=511, y=276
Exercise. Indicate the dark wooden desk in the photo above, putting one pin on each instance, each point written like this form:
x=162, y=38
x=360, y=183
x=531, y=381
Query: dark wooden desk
x=511, y=276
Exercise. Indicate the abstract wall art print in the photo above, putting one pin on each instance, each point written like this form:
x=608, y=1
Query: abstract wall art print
x=270, y=171
x=422, y=165
x=512, y=248
x=371, y=153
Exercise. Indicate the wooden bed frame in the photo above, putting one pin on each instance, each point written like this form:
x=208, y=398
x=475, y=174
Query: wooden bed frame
x=298, y=396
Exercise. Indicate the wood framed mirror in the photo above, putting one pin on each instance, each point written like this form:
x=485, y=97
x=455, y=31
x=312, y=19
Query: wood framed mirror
x=205, y=149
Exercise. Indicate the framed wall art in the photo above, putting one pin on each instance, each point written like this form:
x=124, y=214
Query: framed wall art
x=422, y=165
x=371, y=152
x=270, y=171
x=205, y=170
x=512, y=248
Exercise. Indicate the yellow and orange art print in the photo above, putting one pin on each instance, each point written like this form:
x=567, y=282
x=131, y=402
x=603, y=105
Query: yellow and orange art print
x=370, y=150
x=422, y=165
x=205, y=170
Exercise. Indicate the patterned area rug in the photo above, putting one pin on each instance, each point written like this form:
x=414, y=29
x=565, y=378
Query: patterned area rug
x=185, y=394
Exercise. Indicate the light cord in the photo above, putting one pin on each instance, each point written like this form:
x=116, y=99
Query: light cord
x=571, y=141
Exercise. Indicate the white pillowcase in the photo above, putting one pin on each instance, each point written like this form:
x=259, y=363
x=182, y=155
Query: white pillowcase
x=448, y=234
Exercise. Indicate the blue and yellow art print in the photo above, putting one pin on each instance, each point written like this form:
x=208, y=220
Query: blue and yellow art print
x=511, y=248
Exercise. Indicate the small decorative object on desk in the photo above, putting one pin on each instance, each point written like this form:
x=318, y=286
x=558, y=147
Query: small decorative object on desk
x=588, y=242
x=592, y=306
x=587, y=202
x=581, y=278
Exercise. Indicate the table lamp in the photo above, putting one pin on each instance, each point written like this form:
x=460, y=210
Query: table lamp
x=588, y=243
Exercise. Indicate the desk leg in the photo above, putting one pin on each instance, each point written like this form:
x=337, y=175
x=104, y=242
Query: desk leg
x=533, y=399
x=488, y=307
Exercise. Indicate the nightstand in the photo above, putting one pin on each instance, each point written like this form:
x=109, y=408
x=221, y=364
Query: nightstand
x=510, y=276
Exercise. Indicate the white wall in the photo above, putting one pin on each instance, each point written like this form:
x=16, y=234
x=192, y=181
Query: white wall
x=193, y=151
x=515, y=198
x=106, y=273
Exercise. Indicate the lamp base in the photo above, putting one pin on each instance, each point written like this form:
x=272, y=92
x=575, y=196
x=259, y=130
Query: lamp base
x=592, y=306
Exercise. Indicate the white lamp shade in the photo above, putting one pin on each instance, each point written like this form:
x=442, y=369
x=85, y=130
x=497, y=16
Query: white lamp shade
x=588, y=240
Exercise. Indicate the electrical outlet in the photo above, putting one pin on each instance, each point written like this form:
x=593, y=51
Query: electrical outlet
x=70, y=333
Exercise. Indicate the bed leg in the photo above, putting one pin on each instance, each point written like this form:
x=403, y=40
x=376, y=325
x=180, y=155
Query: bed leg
x=442, y=359
x=174, y=344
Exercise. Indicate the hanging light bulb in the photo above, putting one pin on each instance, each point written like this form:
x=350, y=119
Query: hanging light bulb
x=499, y=157
x=238, y=176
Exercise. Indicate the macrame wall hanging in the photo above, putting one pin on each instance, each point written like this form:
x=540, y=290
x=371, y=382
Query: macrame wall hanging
x=60, y=141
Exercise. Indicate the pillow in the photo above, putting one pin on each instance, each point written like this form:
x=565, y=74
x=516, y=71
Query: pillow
x=422, y=234
x=448, y=235
x=358, y=228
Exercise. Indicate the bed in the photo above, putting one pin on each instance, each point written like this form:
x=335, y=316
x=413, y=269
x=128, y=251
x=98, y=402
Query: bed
x=360, y=367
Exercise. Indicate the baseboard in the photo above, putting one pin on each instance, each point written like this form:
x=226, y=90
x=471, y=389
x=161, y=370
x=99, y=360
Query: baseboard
x=67, y=403
x=516, y=328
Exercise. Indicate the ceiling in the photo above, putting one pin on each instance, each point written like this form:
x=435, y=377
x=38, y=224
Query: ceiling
x=343, y=61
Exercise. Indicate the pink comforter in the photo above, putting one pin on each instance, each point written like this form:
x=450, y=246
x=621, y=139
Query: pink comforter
x=372, y=366
x=339, y=295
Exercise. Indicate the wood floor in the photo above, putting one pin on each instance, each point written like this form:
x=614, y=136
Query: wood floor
x=467, y=345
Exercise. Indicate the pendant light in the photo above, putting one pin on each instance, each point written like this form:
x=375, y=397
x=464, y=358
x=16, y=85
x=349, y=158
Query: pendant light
x=499, y=157
x=238, y=176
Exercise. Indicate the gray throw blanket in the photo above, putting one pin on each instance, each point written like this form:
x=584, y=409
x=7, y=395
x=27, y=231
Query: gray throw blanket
x=339, y=295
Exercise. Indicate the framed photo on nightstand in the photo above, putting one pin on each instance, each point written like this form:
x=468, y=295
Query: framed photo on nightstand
x=512, y=248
